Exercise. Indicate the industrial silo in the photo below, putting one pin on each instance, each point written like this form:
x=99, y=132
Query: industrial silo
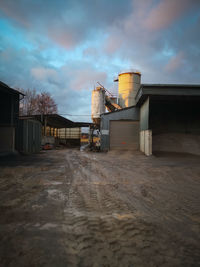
x=128, y=86
x=98, y=104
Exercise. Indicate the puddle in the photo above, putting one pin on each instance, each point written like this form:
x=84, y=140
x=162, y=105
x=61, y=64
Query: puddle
x=47, y=226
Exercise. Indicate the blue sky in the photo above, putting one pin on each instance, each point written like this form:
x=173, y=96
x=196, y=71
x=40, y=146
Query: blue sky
x=66, y=46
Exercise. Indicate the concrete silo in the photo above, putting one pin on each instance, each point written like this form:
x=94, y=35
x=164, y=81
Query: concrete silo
x=98, y=104
x=128, y=86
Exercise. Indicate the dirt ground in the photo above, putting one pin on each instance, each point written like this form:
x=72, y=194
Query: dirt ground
x=76, y=208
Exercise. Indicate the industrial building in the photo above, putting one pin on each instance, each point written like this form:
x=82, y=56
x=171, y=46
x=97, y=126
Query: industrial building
x=150, y=117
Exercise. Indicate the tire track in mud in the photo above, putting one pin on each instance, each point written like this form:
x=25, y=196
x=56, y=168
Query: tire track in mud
x=92, y=192
x=101, y=229
x=107, y=240
x=93, y=209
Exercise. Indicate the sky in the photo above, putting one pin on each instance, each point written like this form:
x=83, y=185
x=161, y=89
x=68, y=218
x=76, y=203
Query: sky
x=65, y=47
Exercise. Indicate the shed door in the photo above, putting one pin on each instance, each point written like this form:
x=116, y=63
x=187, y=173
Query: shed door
x=124, y=135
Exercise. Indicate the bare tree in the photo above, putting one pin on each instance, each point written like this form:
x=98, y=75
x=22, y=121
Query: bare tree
x=45, y=104
x=34, y=103
x=28, y=103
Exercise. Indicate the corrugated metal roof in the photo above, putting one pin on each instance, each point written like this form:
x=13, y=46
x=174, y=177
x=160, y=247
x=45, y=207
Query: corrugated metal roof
x=170, y=85
x=57, y=121
x=166, y=90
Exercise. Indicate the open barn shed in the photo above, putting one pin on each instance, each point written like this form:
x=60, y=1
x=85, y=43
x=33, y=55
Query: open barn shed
x=57, y=130
x=169, y=118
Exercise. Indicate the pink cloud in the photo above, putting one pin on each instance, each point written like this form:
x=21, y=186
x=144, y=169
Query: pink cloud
x=63, y=37
x=43, y=74
x=44, y=20
x=165, y=13
x=113, y=42
x=175, y=62
x=85, y=79
x=13, y=11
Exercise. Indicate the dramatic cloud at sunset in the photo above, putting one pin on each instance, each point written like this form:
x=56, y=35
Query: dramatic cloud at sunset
x=66, y=46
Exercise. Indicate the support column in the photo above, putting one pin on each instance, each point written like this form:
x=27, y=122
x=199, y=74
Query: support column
x=45, y=126
x=146, y=142
x=142, y=141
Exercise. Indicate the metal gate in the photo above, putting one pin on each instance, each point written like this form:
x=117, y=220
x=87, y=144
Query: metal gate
x=124, y=135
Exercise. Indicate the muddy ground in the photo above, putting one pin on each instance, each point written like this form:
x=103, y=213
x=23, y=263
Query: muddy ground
x=72, y=208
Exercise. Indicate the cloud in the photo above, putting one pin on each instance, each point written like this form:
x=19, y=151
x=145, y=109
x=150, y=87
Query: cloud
x=65, y=47
x=70, y=84
x=175, y=62
x=43, y=74
x=165, y=13
x=85, y=79
x=67, y=23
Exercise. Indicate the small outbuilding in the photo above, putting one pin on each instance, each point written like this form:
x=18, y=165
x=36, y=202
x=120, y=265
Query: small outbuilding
x=28, y=136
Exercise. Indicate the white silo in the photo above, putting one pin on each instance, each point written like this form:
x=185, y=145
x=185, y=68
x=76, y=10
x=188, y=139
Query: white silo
x=128, y=86
x=98, y=104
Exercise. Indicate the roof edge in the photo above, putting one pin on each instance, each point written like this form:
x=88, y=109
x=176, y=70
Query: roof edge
x=14, y=91
x=169, y=85
x=107, y=113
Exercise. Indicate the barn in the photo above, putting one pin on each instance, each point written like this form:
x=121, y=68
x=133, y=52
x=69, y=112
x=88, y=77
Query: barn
x=9, y=110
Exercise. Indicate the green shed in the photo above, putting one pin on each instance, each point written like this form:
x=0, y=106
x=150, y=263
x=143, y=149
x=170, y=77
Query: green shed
x=28, y=136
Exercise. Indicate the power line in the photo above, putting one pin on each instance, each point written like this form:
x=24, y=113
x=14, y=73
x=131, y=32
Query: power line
x=66, y=114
